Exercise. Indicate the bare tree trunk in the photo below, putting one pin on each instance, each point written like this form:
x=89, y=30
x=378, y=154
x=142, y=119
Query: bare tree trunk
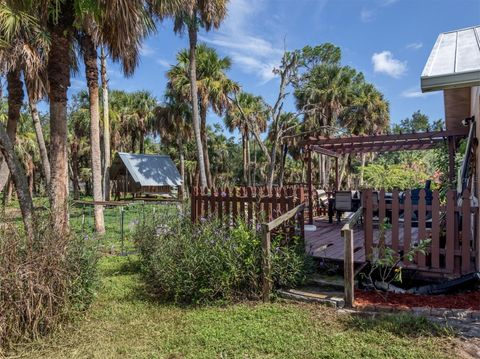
x=59, y=81
x=244, y=160
x=15, y=101
x=91, y=74
x=40, y=138
x=282, y=165
x=106, y=128
x=20, y=179
x=192, y=34
x=203, y=130
x=362, y=168
x=247, y=155
x=342, y=171
x=271, y=168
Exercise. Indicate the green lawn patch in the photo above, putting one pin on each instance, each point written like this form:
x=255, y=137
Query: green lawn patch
x=124, y=322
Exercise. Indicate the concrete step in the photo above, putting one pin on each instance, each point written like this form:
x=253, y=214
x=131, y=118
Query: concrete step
x=314, y=295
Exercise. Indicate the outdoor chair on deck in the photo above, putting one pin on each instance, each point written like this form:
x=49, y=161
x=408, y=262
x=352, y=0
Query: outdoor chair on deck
x=346, y=201
x=322, y=200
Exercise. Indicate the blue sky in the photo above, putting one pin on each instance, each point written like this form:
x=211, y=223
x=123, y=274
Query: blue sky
x=388, y=40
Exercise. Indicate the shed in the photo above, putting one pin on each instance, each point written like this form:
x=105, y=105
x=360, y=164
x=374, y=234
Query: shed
x=144, y=174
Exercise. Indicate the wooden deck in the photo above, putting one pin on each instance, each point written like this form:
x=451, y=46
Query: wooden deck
x=326, y=241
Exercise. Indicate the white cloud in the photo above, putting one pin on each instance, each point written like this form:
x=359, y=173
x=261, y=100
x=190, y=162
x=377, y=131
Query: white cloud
x=163, y=62
x=367, y=15
x=414, y=92
x=146, y=50
x=387, y=2
x=251, y=52
x=414, y=46
x=384, y=62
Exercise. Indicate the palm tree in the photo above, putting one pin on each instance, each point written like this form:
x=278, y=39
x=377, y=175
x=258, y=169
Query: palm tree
x=121, y=33
x=368, y=114
x=17, y=30
x=190, y=15
x=329, y=88
x=254, y=110
x=142, y=105
x=173, y=123
x=213, y=87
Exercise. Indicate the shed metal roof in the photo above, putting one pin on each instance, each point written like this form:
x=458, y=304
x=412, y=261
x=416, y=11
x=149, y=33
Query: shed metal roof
x=454, y=61
x=151, y=170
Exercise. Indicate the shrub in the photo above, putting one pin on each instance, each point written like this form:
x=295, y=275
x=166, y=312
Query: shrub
x=43, y=284
x=187, y=263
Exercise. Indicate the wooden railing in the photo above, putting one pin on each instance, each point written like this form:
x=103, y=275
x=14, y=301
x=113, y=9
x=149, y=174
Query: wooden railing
x=348, y=260
x=252, y=204
x=451, y=227
x=296, y=214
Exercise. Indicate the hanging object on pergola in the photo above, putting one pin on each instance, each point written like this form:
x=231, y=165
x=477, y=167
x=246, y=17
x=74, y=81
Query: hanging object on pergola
x=338, y=146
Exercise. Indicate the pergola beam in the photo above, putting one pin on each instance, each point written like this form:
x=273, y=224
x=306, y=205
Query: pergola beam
x=431, y=135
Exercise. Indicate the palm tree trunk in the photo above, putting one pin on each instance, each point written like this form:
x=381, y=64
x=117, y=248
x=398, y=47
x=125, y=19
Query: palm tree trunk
x=40, y=138
x=59, y=81
x=91, y=74
x=20, y=180
x=203, y=131
x=106, y=127
x=362, y=168
x=182, y=168
x=192, y=34
x=15, y=101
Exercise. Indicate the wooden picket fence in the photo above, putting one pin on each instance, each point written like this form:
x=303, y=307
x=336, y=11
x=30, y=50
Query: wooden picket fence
x=253, y=204
x=451, y=226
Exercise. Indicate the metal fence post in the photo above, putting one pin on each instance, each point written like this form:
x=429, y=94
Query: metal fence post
x=121, y=230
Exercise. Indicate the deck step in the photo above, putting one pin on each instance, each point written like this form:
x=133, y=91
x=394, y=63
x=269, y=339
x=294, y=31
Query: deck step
x=314, y=295
x=328, y=282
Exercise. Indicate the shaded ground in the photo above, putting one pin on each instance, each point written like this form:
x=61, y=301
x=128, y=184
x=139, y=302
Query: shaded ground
x=124, y=323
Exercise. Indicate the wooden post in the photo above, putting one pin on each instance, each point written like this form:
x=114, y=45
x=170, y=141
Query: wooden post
x=309, y=185
x=348, y=275
x=337, y=184
x=266, y=264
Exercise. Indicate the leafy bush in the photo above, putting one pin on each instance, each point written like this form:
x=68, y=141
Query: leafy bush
x=42, y=284
x=187, y=263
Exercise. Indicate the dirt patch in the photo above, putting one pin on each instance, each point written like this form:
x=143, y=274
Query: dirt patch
x=467, y=348
x=467, y=300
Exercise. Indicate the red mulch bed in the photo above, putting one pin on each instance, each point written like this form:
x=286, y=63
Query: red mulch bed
x=467, y=300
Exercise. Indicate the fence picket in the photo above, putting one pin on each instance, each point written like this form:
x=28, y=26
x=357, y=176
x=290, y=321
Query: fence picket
x=368, y=223
x=435, y=245
x=449, y=246
x=407, y=224
x=422, y=231
x=395, y=215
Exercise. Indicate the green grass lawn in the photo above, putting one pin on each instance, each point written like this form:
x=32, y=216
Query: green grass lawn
x=124, y=323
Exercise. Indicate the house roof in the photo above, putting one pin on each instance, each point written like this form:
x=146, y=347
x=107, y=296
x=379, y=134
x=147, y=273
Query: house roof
x=454, y=61
x=149, y=170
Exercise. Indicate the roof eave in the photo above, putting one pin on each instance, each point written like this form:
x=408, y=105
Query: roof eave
x=448, y=81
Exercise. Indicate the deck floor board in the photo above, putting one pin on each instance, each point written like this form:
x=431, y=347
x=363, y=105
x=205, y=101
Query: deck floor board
x=326, y=241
